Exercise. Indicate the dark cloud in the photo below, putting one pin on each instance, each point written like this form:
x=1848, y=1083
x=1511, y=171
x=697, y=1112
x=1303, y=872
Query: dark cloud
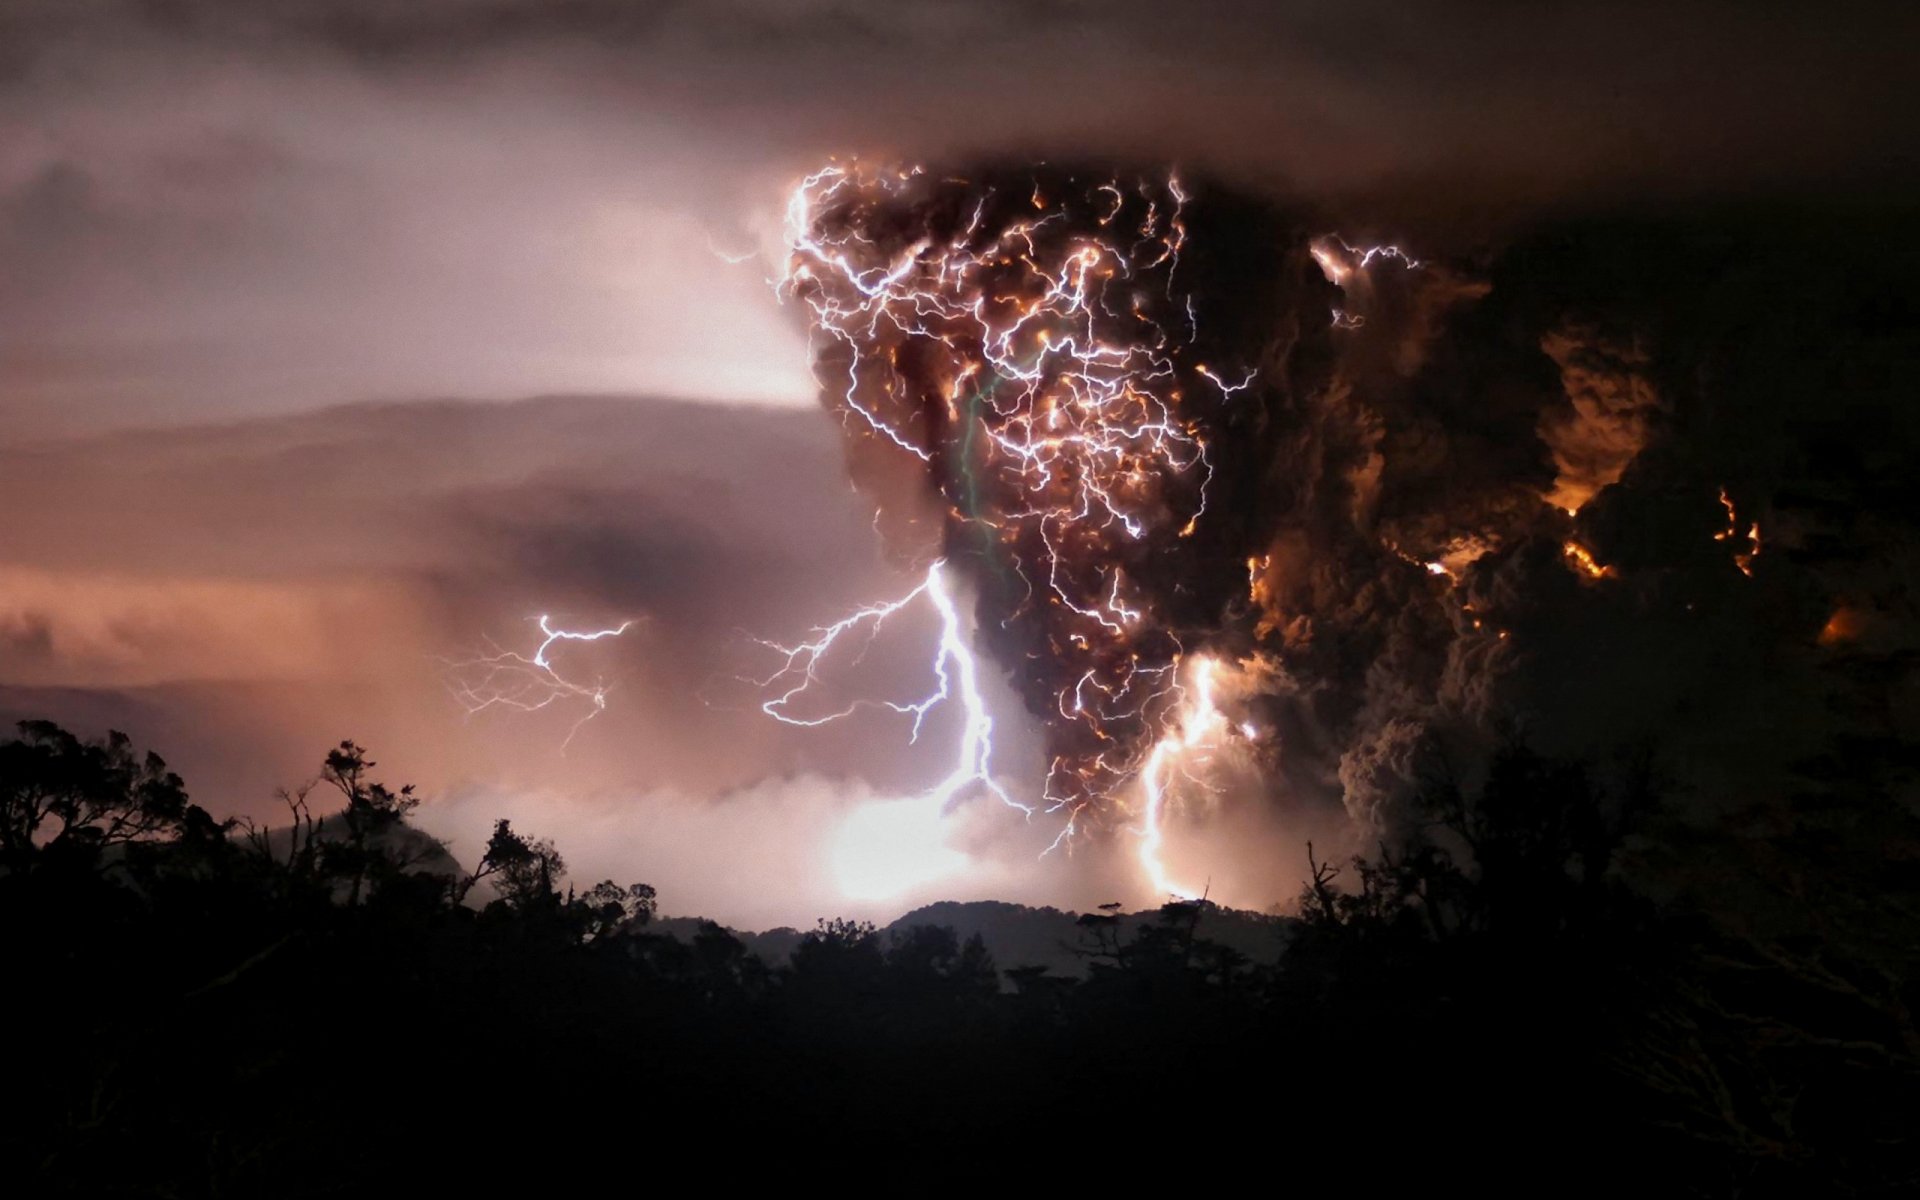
x=1649, y=82
x=1717, y=360
x=222, y=207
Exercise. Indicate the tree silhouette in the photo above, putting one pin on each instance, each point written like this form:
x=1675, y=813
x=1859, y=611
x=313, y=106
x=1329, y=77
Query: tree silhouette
x=526, y=871
x=203, y=1020
x=930, y=964
x=373, y=813
x=67, y=800
x=608, y=908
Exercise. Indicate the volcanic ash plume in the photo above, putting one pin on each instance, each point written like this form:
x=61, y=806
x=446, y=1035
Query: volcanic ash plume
x=1086, y=371
x=1612, y=405
x=1224, y=483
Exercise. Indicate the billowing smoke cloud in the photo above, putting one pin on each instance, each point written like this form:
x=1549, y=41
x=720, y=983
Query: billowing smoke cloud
x=1613, y=406
x=1090, y=391
x=1585, y=514
x=1443, y=508
x=1163, y=423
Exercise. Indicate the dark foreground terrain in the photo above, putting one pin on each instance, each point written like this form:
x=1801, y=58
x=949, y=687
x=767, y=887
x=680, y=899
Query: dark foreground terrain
x=195, y=1009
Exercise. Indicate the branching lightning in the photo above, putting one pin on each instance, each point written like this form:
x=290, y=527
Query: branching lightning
x=954, y=669
x=1029, y=343
x=1030, y=362
x=530, y=682
x=1027, y=340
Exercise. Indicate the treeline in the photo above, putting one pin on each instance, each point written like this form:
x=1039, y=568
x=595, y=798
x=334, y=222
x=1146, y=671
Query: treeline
x=332, y=1006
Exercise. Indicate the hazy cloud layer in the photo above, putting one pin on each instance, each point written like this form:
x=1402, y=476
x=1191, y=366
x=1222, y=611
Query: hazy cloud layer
x=326, y=564
x=214, y=206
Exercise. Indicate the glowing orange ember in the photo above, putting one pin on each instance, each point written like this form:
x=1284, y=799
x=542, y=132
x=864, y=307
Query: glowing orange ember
x=1742, y=560
x=1583, y=561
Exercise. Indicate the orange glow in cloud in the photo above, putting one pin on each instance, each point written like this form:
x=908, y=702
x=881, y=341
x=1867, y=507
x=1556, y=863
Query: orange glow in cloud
x=1843, y=626
x=122, y=630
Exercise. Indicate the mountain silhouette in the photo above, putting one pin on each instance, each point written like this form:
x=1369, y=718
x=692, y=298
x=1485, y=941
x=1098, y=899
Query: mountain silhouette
x=1018, y=935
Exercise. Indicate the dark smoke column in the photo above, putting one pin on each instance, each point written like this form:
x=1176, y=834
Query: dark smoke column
x=1089, y=371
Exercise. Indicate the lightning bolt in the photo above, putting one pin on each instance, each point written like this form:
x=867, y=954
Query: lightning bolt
x=1028, y=344
x=530, y=682
x=956, y=674
x=1198, y=726
x=1341, y=262
x=1064, y=405
x=1200, y=723
x=1029, y=347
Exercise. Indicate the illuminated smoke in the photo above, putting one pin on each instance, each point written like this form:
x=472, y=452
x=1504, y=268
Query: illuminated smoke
x=1233, y=504
x=1030, y=339
x=1612, y=406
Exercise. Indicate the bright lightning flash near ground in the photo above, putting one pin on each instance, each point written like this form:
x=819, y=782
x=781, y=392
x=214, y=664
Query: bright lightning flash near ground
x=1200, y=725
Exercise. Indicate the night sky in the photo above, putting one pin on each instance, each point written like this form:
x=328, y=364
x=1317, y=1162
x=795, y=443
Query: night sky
x=340, y=341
